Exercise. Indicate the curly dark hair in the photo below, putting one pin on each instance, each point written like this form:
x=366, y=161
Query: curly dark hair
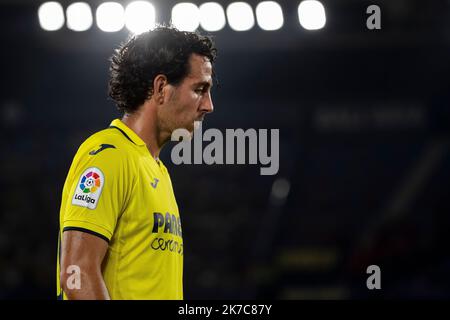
x=163, y=50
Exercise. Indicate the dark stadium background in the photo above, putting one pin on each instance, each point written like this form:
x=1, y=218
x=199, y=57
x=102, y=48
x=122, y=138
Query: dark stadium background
x=364, y=153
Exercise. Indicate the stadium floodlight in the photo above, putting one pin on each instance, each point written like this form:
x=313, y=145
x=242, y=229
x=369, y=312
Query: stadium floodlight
x=79, y=16
x=240, y=16
x=110, y=16
x=212, y=16
x=140, y=16
x=269, y=15
x=186, y=16
x=311, y=15
x=51, y=16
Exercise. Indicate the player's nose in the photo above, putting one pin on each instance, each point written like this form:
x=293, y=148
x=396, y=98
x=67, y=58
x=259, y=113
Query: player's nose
x=207, y=104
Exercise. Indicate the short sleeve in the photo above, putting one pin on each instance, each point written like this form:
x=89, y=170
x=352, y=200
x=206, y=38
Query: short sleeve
x=97, y=193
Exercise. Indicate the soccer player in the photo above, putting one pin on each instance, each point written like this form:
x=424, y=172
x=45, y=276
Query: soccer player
x=120, y=229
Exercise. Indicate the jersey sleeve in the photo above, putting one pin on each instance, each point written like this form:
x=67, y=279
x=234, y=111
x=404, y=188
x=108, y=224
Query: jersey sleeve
x=97, y=192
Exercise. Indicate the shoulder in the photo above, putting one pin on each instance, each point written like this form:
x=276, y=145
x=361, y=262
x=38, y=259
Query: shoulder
x=107, y=148
x=109, y=139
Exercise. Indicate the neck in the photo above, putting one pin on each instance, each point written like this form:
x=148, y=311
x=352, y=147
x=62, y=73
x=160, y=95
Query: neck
x=144, y=123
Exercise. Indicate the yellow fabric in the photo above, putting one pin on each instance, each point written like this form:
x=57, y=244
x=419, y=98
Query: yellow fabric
x=126, y=205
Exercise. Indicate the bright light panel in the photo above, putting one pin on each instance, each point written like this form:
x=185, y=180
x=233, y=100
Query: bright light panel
x=140, y=16
x=240, y=16
x=51, y=16
x=212, y=16
x=186, y=16
x=269, y=15
x=311, y=15
x=79, y=16
x=110, y=16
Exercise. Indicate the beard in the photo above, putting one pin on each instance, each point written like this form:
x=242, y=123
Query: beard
x=185, y=129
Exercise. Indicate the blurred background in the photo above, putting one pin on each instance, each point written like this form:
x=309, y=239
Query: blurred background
x=364, y=144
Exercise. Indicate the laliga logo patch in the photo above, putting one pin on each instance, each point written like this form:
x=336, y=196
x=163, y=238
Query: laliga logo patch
x=89, y=188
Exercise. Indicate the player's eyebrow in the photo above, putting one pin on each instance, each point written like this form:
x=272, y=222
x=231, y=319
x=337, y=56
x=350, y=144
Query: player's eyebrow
x=207, y=84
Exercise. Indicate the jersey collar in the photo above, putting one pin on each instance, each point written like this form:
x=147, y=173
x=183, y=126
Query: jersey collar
x=130, y=134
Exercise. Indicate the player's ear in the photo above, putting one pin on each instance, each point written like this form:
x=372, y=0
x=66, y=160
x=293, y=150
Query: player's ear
x=159, y=83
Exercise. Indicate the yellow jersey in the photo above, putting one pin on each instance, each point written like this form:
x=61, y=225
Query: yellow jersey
x=117, y=191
